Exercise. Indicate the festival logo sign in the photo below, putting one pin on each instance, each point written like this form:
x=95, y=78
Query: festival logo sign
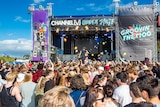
x=101, y=21
x=135, y=32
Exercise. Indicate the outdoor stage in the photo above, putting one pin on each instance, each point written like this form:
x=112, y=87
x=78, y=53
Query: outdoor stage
x=91, y=32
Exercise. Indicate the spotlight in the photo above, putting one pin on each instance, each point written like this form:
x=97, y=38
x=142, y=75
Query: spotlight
x=63, y=35
x=77, y=27
x=65, y=39
x=86, y=27
x=67, y=29
x=103, y=43
x=75, y=48
x=57, y=30
x=124, y=54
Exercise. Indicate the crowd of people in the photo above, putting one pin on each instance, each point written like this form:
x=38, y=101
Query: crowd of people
x=80, y=83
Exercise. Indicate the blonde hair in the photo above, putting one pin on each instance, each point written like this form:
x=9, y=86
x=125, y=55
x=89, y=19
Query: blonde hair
x=41, y=82
x=62, y=79
x=59, y=96
x=27, y=77
x=10, y=76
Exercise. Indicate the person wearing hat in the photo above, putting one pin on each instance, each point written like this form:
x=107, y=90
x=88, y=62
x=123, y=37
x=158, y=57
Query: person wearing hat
x=19, y=79
x=100, y=69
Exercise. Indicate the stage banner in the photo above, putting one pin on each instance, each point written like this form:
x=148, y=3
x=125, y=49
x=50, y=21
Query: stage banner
x=136, y=33
x=40, y=35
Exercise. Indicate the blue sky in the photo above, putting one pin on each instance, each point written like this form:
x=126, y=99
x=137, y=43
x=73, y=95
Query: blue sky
x=15, y=22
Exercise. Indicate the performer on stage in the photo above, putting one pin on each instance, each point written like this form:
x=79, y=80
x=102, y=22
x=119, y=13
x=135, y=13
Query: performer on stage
x=83, y=55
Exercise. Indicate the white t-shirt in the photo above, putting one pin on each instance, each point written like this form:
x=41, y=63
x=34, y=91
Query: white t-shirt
x=122, y=94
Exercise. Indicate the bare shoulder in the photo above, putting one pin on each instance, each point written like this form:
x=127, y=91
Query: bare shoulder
x=14, y=90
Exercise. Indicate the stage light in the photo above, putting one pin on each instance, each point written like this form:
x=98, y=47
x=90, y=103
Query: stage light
x=124, y=54
x=86, y=27
x=63, y=35
x=96, y=36
x=92, y=54
x=57, y=30
x=103, y=43
x=76, y=51
x=67, y=29
x=77, y=27
x=96, y=28
x=65, y=39
x=105, y=34
x=52, y=49
x=107, y=30
x=75, y=48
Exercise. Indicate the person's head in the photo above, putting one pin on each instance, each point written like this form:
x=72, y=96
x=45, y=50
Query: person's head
x=20, y=77
x=121, y=77
x=63, y=77
x=134, y=90
x=132, y=73
x=77, y=83
x=144, y=85
x=98, y=79
x=59, y=96
x=10, y=77
x=27, y=77
x=154, y=89
x=84, y=48
x=48, y=73
x=91, y=97
x=108, y=89
x=40, y=66
x=100, y=69
x=95, y=97
x=102, y=80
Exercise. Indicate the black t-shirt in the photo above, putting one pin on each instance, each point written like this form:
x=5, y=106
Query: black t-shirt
x=49, y=85
x=7, y=100
x=131, y=105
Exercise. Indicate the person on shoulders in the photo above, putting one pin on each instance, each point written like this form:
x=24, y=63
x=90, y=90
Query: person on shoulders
x=10, y=94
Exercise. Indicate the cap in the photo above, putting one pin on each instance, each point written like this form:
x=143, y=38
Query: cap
x=20, y=77
x=107, y=67
x=101, y=68
x=144, y=67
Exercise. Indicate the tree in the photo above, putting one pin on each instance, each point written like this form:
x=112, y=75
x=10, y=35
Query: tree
x=27, y=56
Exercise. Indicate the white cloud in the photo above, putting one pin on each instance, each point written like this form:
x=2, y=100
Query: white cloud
x=93, y=7
x=91, y=4
x=38, y=1
x=80, y=9
x=19, y=18
x=16, y=48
